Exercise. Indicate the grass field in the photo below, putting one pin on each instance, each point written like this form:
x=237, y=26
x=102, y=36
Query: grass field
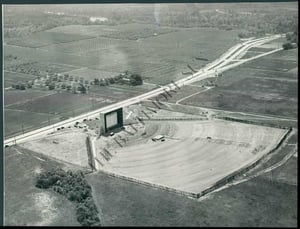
x=41, y=39
x=17, y=96
x=260, y=49
x=31, y=109
x=91, y=74
x=88, y=47
x=263, y=96
x=266, y=86
x=26, y=205
x=187, y=160
x=130, y=31
x=15, y=119
x=256, y=203
x=15, y=77
x=267, y=63
x=287, y=55
x=64, y=104
x=287, y=174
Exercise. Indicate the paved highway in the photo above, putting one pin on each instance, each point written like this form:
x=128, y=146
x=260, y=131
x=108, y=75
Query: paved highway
x=221, y=64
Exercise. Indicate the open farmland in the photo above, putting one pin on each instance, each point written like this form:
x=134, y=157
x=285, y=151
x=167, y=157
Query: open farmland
x=17, y=96
x=266, y=63
x=26, y=205
x=264, y=96
x=44, y=110
x=132, y=31
x=267, y=86
x=190, y=158
x=91, y=74
x=11, y=78
x=64, y=104
x=159, y=59
x=15, y=121
x=88, y=46
x=41, y=39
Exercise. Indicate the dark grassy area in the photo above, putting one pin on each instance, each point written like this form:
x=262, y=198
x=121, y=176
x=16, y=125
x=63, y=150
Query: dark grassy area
x=258, y=202
x=24, y=203
x=269, y=74
x=14, y=119
x=277, y=156
x=251, y=95
x=65, y=104
x=263, y=86
x=287, y=174
x=260, y=49
x=291, y=54
x=47, y=110
x=273, y=64
x=19, y=96
x=275, y=122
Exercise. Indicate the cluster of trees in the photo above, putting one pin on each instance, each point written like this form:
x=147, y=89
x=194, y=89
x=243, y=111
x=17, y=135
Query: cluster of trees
x=72, y=185
x=292, y=37
x=55, y=80
x=292, y=40
x=126, y=78
x=22, y=86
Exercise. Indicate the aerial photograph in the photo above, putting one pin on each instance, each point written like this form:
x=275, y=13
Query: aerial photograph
x=157, y=114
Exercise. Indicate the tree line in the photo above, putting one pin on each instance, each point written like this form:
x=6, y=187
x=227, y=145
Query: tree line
x=75, y=188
